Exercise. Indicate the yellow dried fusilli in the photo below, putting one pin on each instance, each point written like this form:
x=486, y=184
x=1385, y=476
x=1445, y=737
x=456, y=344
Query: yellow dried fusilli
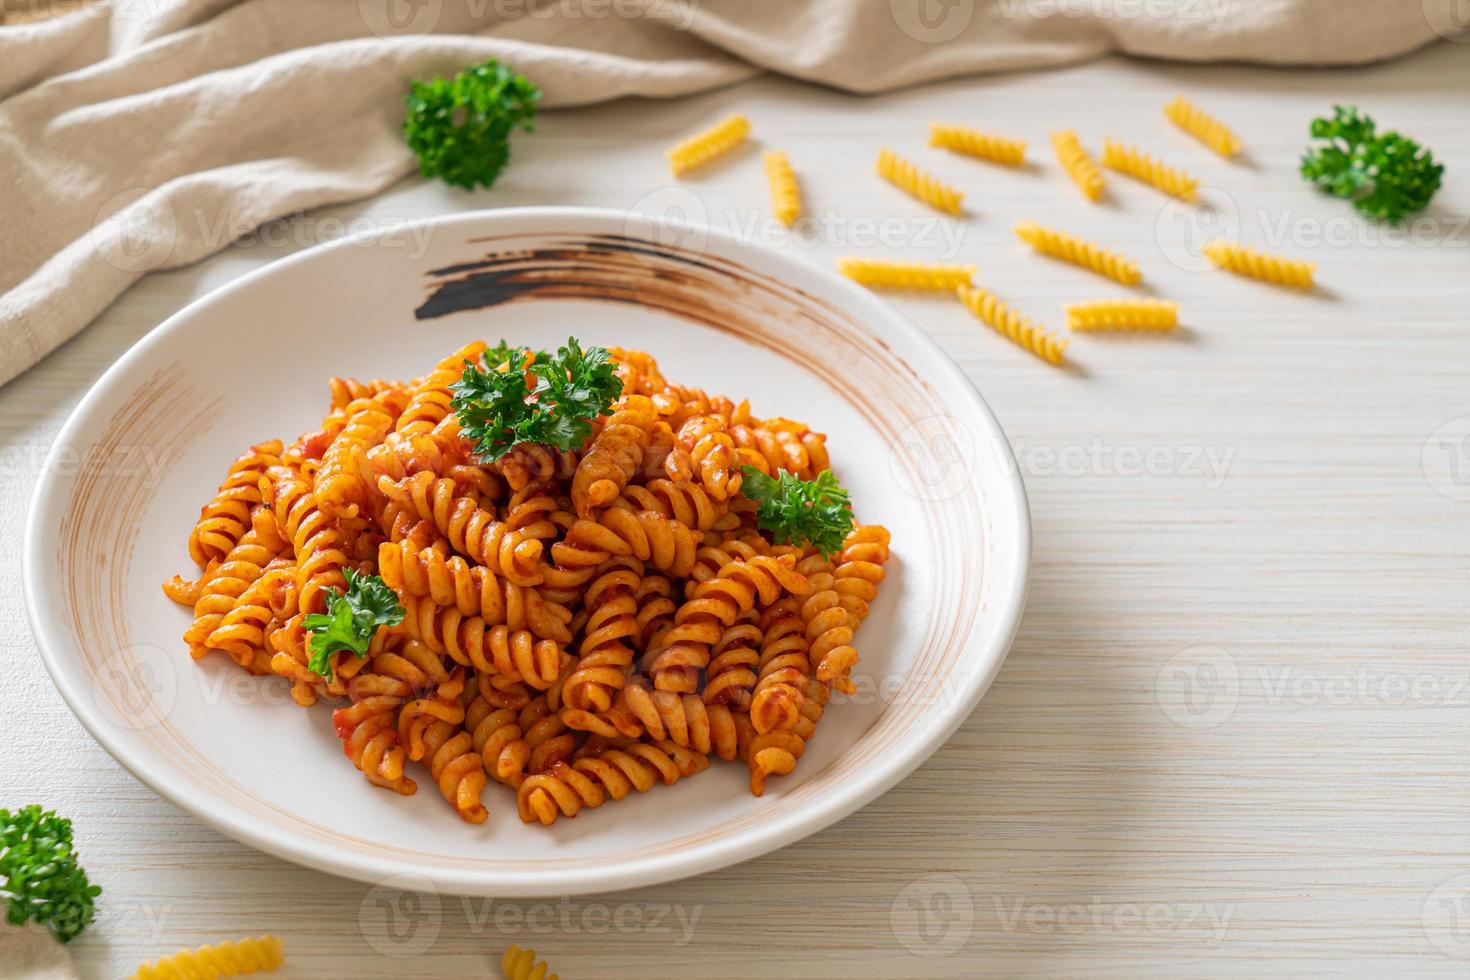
x=1123, y=314
x=1140, y=166
x=1088, y=255
x=1012, y=325
x=1076, y=162
x=918, y=184
x=785, y=191
x=521, y=964
x=892, y=274
x=227, y=959
x=712, y=143
x=976, y=143
x=1242, y=261
x=1202, y=126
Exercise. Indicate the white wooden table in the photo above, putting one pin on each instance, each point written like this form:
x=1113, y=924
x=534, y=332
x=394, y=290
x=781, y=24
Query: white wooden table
x=1232, y=737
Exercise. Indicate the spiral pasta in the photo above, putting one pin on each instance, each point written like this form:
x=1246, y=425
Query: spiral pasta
x=1012, y=325
x=1236, y=258
x=521, y=964
x=1079, y=252
x=577, y=625
x=1077, y=163
x=227, y=959
x=1202, y=126
x=918, y=184
x=1140, y=166
x=975, y=143
x=893, y=274
x=1123, y=314
x=708, y=145
x=785, y=191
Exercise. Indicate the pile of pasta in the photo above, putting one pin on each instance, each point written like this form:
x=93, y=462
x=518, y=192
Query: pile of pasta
x=577, y=624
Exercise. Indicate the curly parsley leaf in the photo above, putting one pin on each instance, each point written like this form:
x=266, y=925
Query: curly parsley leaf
x=797, y=511
x=1385, y=175
x=460, y=128
x=552, y=402
x=40, y=876
x=351, y=619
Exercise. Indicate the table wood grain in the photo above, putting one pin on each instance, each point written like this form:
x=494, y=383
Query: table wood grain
x=1232, y=737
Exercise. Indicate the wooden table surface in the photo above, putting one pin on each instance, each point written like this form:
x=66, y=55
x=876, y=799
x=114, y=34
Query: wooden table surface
x=1232, y=736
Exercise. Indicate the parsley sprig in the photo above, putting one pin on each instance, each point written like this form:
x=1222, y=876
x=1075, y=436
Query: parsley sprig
x=351, y=619
x=797, y=511
x=460, y=128
x=40, y=875
x=518, y=395
x=1385, y=175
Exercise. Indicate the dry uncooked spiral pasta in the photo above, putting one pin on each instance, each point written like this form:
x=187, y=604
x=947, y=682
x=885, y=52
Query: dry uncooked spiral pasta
x=227, y=959
x=892, y=274
x=710, y=144
x=1013, y=326
x=1080, y=252
x=1202, y=126
x=1077, y=163
x=225, y=519
x=975, y=143
x=918, y=184
x=785, y=191
x=521, y=964
x=1123, y=314
x=1242, y=261
x=1140, y=166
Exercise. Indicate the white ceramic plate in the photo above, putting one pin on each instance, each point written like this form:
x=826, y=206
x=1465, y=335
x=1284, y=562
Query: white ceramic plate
x=909, y=436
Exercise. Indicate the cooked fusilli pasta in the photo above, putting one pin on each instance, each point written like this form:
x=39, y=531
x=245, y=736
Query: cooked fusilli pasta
x=1140, y=166
x=710, y=144
x=573, y=623
x=1236, y=258
x=973, y=142
x=1088, y=255
x=1202, y=126
x=918, y=184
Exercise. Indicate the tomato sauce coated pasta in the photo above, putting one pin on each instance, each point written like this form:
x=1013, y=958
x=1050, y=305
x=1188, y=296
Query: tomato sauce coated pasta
x=576, y=625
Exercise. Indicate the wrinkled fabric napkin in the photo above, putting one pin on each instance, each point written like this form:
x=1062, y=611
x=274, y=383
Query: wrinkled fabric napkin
x=120, y=118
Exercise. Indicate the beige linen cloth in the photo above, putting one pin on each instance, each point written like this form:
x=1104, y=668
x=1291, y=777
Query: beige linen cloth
x=120, y=118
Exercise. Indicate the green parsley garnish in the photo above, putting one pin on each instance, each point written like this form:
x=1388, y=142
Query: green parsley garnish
x=1385, y=175
x=552, y=402
x=460, y=128
x=351, y=619
x=797, y=511
x=39, y=873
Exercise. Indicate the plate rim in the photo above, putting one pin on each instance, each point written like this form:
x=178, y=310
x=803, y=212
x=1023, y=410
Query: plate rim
x=375, y=868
